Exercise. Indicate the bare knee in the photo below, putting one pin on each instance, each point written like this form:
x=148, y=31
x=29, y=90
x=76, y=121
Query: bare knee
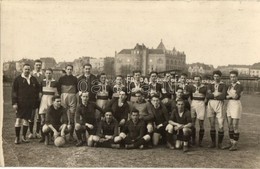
x=77, y=126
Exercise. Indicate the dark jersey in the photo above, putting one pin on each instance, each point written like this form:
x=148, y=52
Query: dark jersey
x=135, y=131
x=56, y=117
x=105, y=128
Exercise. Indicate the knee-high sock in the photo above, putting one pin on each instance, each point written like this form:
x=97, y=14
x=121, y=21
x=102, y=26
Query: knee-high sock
x=25, y=128
x=78, y=133
x=169, y=138
x=220, y=136
x=17, y=131
x=139, y=143
x=38, y=127
x=231, y=134
x=72, y=129
x=31, y=126
x=213, y=136
x=42, y=134
x=236, y=136
x=193, y=133
x=201, y=135
x=186, y=138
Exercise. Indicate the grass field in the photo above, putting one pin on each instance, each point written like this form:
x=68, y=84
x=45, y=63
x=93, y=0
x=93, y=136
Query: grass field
x=36, y=154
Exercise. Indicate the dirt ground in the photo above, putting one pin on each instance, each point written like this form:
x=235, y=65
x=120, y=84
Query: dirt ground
x=36, y=154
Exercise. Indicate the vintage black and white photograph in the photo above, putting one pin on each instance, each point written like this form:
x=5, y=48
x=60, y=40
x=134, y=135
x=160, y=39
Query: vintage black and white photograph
x=158, y=84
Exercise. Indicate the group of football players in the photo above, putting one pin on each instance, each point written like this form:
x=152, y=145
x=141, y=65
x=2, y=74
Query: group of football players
x=127, y=115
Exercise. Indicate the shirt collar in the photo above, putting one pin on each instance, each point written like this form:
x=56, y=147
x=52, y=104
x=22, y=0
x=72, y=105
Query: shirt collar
x=35, y=72
x=25, y=76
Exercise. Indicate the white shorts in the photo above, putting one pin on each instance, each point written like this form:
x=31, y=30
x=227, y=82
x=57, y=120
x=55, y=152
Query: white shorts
x=46, y=101
x=69, y=101
x=198, y=109
x=234, y=109
x=215, y=108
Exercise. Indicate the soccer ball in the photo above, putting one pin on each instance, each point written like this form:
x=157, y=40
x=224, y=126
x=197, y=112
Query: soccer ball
x=59, y=141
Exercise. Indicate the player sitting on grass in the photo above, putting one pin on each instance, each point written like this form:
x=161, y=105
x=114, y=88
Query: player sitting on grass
x=181, y=120
x=56, y=120
x=133, y=135
x=86, y=120
x=106, y=132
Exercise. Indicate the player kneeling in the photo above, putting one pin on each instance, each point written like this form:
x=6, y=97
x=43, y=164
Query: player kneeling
x=106, y=132
x=181, y=120
x=56, y=120
x=133, y=135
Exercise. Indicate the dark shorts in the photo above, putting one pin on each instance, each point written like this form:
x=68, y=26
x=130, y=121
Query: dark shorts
x=90, y=131
x=161, y=130
x=24, y=112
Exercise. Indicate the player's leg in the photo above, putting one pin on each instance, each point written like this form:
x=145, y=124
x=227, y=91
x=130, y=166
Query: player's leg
x=169, y=136
x=72, y=110
x=231, y=132
x=38, y=124
x=211, y=115
x=201, y=116
x=92, y=132
x=140, y=143
x=156, y=138
x=79, y=130
x=186, y=137
x=212, y=121
x=18, y=124
x=25, y=128
x=193, y=118
x=150, y=129
x=46, y=131
x=220, y=118
x=42, y=123
x=236, y=135
x=31, y=123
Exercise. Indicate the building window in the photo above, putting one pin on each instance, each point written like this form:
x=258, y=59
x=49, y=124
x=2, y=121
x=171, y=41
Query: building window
x=160, y=61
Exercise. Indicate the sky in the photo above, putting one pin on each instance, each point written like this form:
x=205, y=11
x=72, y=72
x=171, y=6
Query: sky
x=217, y=33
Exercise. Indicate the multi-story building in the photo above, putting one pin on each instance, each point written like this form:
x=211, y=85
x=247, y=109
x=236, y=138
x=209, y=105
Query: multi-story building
x=200, y=68
x=48, y=62
x=255, y=70
x=242, y=69
x=147, y=60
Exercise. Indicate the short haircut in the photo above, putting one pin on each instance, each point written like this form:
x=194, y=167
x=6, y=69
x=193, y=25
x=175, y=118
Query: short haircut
x=152, y=72
x=184, y=74
x=55, y=97
x=37, y=61
x=68, y=66
x=136, y=71
x=63, y=71
x=26, y=64
x=98, y=76
x=50, y=69
x=180, y=100
x=217, y=72
x=155, y=95
x=134, y=111
x=138, y=92
x=234, y=72
x=87, y=64
x=197, y=76
x=167, y=73
x=119, y=76
x=179, y=88
x=108, y=110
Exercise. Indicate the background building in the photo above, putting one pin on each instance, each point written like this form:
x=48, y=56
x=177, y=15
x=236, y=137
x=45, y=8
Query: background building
x=147, y=60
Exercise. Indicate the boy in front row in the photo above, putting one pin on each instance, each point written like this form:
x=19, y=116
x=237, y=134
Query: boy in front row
x=181, y=120
x=56, y=120
x=134, y=133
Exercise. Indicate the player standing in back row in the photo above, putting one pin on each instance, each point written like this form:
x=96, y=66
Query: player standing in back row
x=67, y=88
x=198, y=108
x=216, y=95
x=234, y=109
x=25, y=94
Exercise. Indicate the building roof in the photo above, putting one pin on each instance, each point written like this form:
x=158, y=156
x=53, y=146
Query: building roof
x=125, y=51
x=156, y=51
x=240, y=66
x=204, y=66
x=161, y=46
x=256, y=66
